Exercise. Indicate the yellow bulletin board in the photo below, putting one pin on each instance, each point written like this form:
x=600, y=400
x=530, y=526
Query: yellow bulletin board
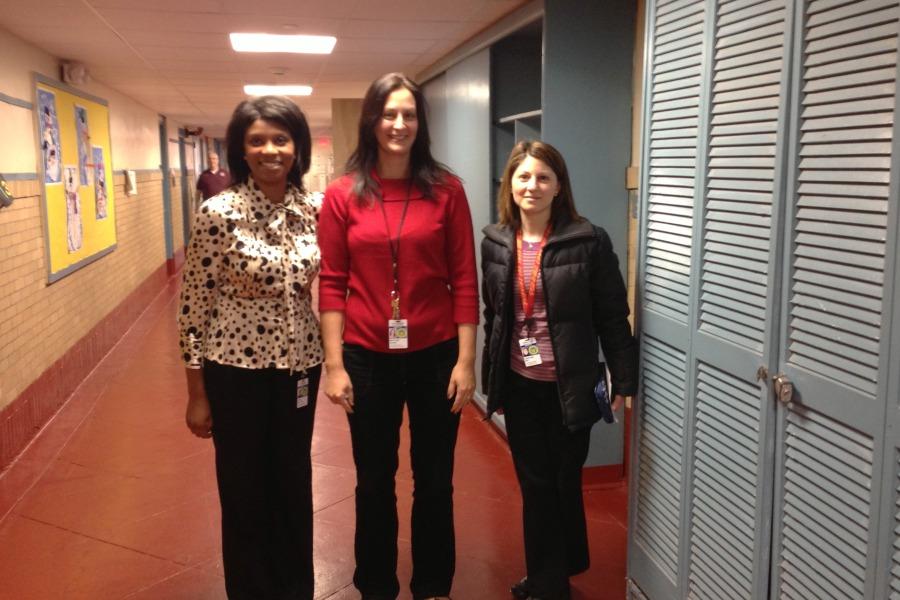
x=75, y=171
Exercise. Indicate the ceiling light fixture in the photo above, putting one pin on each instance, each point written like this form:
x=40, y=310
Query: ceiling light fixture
x=277, y=90
x=267, y=42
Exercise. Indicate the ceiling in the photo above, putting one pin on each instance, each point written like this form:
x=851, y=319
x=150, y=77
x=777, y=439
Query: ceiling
x=174, y=56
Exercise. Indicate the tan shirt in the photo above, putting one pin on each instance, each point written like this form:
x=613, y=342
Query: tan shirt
x=245, y=296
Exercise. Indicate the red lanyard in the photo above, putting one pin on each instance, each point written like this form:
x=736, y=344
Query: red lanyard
x=528, y=296
x=395, y=251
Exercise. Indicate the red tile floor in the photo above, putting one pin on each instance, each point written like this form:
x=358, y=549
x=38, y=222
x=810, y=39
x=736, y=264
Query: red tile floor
x=115, y=499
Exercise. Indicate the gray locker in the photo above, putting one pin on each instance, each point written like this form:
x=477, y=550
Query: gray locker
x=765, y=447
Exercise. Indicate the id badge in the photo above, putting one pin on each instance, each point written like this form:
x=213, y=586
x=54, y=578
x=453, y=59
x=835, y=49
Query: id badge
x=302, y=391
x=530, y=351
x=398, y=334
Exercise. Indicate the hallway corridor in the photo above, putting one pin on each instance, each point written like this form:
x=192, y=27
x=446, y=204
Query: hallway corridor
x=115, y=498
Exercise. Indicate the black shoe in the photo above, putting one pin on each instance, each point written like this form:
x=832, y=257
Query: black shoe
x=520, y=590
x=564, y=595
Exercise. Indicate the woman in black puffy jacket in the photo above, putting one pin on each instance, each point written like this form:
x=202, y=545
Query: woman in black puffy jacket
x=552, y=289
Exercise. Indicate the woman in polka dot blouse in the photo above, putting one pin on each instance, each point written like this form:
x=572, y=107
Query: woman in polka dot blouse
x=399, y=299
x=252, y=348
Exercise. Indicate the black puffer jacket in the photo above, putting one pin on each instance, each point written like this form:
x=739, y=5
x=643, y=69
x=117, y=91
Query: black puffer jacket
x=586, y=300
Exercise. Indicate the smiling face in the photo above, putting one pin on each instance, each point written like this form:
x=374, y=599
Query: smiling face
x=269, y=152
x=397, y=128
x=534, y=185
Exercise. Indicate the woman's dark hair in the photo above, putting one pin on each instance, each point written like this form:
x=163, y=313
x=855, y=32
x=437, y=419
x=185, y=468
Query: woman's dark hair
x=280, y=111
x=563, y=206
x=425, y=171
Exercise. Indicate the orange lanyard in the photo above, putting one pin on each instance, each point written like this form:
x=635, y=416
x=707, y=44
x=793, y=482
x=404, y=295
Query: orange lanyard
x=527, y=296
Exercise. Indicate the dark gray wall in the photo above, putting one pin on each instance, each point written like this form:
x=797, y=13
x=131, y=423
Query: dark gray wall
x=588, y=49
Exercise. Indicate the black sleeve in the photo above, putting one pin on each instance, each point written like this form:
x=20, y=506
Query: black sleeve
x=488, y=319
x=610, y=316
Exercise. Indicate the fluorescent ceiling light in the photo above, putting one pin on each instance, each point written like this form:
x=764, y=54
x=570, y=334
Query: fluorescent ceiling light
x=267, y=42
x=277, y=90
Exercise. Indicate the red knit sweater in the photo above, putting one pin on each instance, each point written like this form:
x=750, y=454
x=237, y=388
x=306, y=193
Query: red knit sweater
x=437, y=273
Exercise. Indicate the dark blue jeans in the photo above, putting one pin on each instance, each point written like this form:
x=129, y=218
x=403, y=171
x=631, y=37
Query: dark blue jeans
x=264, y=472
x=382, y=384
x=548, y=460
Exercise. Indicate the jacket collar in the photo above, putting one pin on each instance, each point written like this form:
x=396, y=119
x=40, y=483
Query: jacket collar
x=566, y=230
x=260, y=203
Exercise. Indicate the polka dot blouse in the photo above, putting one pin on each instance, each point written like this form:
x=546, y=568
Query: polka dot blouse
x=245, y=296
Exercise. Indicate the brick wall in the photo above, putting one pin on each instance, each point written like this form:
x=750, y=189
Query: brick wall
x=52, y=331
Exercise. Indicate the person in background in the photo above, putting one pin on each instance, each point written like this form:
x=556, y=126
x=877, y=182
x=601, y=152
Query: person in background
x=251, y=344
x=551, y=289
x=398, y=295
x=214, y=179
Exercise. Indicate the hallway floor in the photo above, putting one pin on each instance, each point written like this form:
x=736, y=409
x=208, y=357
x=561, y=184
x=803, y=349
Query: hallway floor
x=115, y=498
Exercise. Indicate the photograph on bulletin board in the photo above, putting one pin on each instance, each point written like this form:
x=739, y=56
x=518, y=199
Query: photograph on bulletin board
x=76, y=174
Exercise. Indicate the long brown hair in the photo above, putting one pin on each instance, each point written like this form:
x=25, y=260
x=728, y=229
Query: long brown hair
x=425, y=171
x=563, y=206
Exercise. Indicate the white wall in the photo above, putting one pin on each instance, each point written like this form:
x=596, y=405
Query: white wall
x=460, y=124
x=134, y=128
x=18, y=153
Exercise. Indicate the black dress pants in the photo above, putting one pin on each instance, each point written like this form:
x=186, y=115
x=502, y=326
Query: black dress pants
x=382, y=384
x=548, y=459
x=262, y=441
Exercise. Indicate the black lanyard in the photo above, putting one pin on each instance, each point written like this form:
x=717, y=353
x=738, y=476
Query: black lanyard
x=395, y=250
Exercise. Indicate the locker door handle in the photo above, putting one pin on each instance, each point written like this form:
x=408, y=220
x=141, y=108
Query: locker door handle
x=784, y=389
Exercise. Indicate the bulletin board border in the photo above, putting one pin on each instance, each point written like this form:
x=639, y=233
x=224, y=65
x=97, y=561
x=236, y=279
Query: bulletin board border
x=39, y=78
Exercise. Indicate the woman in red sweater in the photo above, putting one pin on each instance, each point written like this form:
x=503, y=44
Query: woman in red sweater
x=398, y=297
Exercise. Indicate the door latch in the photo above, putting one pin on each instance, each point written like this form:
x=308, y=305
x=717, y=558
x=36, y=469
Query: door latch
x=784, y=389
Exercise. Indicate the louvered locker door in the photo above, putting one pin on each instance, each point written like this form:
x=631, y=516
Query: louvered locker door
x=831, y=442
x=887, y=572
x=674, y=82
x=732, y=426
x=702, y=485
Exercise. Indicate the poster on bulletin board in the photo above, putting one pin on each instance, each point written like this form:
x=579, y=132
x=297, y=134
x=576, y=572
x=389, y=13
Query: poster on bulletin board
x=75, y=163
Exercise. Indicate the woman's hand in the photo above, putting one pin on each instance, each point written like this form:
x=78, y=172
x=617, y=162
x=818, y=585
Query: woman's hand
x=618, y=402
x=338, y=388
x=198, y=415
x=462, y=378
x=462, y=385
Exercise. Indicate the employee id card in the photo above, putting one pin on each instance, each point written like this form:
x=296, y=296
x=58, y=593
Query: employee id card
x=530, y=351
x=303, y=391
x=398, y=334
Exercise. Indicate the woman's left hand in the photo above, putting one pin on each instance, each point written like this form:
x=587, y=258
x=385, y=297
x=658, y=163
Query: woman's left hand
x=462, y=385
x=618, y=402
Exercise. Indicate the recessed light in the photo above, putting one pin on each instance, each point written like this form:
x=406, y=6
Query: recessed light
x=268, y=42
x=277, y=90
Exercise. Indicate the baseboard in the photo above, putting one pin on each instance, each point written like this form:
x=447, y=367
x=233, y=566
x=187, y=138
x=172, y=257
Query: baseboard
x=603, y=477
x=174, y=263
x=24, y=417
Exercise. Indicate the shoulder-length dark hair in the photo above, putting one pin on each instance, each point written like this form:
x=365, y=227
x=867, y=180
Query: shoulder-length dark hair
x=425, y=171
x=280, y=111
x=563, y=207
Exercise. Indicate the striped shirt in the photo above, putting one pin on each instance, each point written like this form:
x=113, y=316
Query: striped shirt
x=546, y=371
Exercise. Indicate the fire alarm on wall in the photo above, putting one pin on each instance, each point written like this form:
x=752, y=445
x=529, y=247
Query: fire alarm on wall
x=75, y=72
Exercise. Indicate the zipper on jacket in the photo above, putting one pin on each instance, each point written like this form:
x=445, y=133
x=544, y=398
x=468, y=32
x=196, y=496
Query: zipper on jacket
x=562, y=405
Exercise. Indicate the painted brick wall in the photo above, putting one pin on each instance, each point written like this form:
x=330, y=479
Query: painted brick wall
x=40, y=322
